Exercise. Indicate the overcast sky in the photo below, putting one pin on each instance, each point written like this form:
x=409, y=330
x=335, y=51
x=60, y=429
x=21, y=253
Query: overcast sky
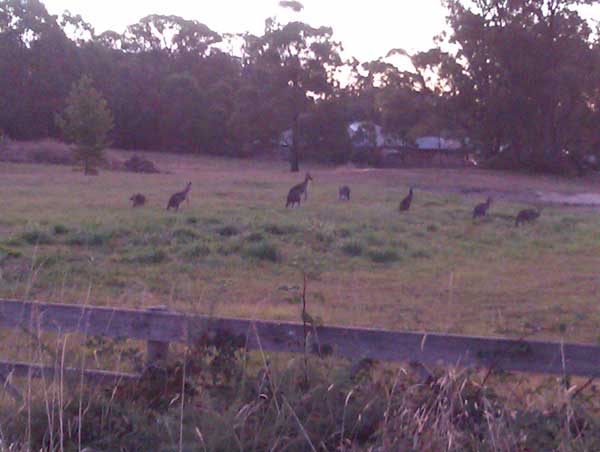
x=366, y=28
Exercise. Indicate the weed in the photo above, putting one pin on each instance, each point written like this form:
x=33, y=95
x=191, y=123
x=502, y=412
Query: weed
x=185, y=235
x=384, y=256
x=8, y=253
x=353, y=248
x=91, y=239
x=36, y=237
x=255, y=237
x=263, y=251
x=197, y=250
x=276, y=229
x=343, y=233
x=60, y=229
x=155, y=256
x=228, y=231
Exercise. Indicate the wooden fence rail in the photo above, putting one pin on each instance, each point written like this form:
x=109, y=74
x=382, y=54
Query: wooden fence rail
x=159, y=327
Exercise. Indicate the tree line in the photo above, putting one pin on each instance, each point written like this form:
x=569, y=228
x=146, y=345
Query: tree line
x=517, y=80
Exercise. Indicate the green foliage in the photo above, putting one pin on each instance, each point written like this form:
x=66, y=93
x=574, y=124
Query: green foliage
x=86, y=122
x=36, y=237
x=87, y=238
x=228, y=231
x=255, y=237
x=196, y=251
x=185, y=235
x=353, y=248
x=384, y=256
x=263, y=251
x=281, y=229
x=60, y=229
x=8, y=253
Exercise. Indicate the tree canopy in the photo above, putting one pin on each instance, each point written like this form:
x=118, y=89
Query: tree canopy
x=518, y=81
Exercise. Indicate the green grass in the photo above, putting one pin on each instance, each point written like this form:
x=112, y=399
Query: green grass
x=431, y=269
x=263, y=251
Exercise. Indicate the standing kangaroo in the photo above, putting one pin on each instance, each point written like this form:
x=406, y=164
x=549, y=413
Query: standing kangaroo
x=138, y=200
x=179, y=197
x=344, y=193
x=405, y=204
x=527, y=216
x=480, y=210
x=295, y=194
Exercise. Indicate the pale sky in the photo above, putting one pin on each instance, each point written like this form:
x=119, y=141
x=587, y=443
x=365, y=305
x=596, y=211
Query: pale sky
x=368, y=29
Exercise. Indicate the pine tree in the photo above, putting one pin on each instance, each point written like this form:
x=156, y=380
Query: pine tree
x=86, y=122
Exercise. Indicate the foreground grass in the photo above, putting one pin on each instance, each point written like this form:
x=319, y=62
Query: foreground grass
x=234, y=250
x=223, y=400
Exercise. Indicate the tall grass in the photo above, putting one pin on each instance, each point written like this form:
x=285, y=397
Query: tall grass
x=215, y=397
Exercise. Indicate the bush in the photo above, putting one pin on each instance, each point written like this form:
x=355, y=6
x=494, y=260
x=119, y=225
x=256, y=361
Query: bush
x=185, y=235
x=8, y=253
x=228, y=231
x=255, y=237
x=352, y=248
x=60, y=229
x=263, y=251
x=198, y=250
x=147, y=257
x=275, y=229
x=384, y=256
x=36, y=237
x=91, y=239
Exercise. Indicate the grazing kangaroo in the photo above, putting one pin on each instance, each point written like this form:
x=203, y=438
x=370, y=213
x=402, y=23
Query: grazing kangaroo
x=179, y=197
x=295, y=194
x=480, y=210
x=344, y=193
x=527, y=216
x=405, y=204
x=138, y=200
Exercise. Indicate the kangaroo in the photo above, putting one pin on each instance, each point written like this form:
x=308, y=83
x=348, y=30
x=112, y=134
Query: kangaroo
x=405, y=204
x=527, y=216
x=138, y=200
x=179, y=197
x=295, y=194
x=480, y=210
x=344, y=193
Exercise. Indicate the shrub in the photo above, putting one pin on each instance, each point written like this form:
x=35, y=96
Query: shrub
x=228, y=231
x=343, y=232
x=147, y=257
x=60, y=229
x=185, y=235
x=198, y=250
x=421, y=254
x=352, y=248
x=255, y=237
x=36, y=237
x=8, y=253
x=384, y=256
x=275, y=229
x=433, y=227
x=263, y=251
x=91, y=239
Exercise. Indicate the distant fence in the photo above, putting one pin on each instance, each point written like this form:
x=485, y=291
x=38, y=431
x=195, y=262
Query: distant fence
x=159, y=327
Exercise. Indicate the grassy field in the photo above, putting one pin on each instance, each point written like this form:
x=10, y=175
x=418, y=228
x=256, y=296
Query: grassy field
x=235, y=250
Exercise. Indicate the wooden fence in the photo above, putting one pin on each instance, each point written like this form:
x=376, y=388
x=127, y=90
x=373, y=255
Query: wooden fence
x=159, y=327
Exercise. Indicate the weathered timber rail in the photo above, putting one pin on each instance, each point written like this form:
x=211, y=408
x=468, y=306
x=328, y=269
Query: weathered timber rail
x=160, y=327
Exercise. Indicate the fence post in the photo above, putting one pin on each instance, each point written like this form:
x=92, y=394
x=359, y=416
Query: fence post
x=157, y=352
